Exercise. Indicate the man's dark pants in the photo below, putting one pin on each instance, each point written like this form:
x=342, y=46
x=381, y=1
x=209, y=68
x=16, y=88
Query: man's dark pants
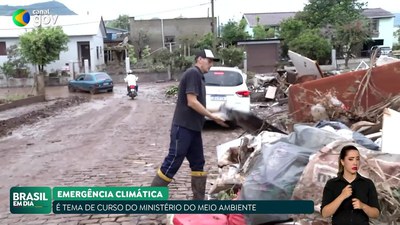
x=184, y=143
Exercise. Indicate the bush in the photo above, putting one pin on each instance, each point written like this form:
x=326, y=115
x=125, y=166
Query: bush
x=312, y=45
x=172, y=91
x=232, y=56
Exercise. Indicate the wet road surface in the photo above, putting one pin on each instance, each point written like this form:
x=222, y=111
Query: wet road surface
x=108, y=141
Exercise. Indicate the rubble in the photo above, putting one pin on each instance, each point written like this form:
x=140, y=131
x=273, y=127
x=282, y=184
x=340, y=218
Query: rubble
x=297, y=151
x=364, y=94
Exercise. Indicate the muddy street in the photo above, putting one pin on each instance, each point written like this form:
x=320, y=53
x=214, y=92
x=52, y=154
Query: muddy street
x=109, y=140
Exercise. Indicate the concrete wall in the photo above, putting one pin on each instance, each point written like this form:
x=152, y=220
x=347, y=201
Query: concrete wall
x=180, y=27
x=22, y=102
x=16, y=82
x=28, y=82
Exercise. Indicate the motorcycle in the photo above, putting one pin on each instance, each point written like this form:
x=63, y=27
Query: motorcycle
x=132, y=86
x=132, y=91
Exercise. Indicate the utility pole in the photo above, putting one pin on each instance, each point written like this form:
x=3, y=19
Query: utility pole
x=213, y=27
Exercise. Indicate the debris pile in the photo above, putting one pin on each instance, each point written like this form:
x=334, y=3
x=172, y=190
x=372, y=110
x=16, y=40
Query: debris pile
x=290, y=153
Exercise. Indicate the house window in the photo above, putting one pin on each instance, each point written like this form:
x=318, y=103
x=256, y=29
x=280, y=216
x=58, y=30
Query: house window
x=98, y=52
x=169, y=40
x=375, y=27
x=3, y=49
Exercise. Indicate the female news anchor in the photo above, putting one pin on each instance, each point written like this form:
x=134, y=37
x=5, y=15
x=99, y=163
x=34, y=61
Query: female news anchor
x=350, y=198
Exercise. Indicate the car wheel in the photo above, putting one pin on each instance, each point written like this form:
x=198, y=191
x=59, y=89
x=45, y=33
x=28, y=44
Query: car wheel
x=93, y=91
x=110, y=90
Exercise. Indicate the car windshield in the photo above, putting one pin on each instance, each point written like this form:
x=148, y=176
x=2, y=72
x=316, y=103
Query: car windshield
x=102, y=76
x=223, y=78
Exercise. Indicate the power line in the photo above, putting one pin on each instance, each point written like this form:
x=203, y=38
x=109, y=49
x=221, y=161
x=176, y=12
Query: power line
x=158, y=12
x=65, y=25
x=176, y=9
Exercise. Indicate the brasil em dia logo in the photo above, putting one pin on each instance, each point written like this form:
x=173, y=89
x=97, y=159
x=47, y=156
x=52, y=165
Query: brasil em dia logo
x=21, y=17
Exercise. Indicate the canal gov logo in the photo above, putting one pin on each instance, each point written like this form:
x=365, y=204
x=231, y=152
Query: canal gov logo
x=30, y=200
x=21, y=17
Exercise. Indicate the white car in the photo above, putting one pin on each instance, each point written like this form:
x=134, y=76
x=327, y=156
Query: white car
x=227, y=85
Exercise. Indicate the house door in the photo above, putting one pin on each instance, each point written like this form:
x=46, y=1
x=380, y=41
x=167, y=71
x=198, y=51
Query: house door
x=84, y=53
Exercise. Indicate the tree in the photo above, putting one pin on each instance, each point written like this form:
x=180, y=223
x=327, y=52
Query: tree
x=397, y=34
x=188, y=42
x=332, y=18
x=259, y=31
x=42, y=46
x=205, y=42
x=233, y=32
x=121, y=22
x=141, y=42
x=318, y=13
x=290, y=30
x=131, y=54
x=312, y=45
x=232, y=56
x=15, y=66
x=352, y=36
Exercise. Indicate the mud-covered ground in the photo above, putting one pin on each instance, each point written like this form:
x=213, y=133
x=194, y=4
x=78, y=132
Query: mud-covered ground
x=101, y=140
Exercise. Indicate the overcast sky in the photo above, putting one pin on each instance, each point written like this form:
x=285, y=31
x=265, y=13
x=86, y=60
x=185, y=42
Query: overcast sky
x=224, y=9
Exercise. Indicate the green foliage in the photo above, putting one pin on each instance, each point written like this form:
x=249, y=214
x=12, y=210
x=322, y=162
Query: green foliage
x=270, y=32
x=397, y=34
x=338, y=21
x=233, y=32
x=232, y=56
x=352, y=36
x=205, y=42
x=141, y=41
x=181, y=62
x=164, y=58
x=131, y=54
x=291, y=29
x=146, y=51
x=312, y=45
x=260, y=32
x=172, y=91
x=8, y=69
x=121, y=22
x=161, y=60
x=318, y=13
x=42, y=46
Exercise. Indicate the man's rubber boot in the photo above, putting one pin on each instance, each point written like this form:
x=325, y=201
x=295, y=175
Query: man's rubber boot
x=160, y=180
x=199, y=181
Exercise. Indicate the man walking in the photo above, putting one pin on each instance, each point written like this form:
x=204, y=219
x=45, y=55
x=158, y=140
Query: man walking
x=187, y=123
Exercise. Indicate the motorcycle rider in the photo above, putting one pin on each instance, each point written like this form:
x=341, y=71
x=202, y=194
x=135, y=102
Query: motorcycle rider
x=131, y=80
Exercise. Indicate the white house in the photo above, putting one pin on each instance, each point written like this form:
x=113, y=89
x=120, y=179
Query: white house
x=381, y=22
x=86, y=35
